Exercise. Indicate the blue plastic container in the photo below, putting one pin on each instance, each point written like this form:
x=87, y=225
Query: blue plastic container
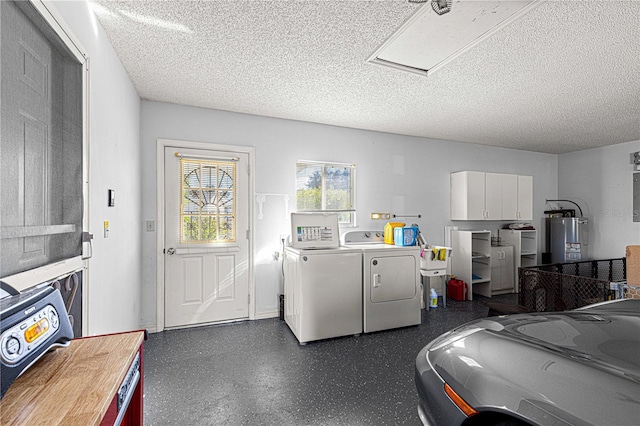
x=405, y=236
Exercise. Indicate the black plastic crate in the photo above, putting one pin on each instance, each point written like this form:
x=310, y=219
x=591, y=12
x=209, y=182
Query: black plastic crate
x=561, y=286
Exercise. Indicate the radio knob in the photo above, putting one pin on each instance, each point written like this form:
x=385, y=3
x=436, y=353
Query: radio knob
x=53, y=317
x=12, y=345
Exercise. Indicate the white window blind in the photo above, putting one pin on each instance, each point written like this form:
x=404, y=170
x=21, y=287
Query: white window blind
x=208, y=201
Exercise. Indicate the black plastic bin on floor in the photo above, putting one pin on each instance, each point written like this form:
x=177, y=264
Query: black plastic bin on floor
x=282, y=307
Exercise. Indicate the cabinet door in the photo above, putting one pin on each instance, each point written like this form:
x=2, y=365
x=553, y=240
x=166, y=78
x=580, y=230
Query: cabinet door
x=467, y=196
x=496, y=265
x=508, y=269
x=493, y=196
x=509, y=197
x=525, y=197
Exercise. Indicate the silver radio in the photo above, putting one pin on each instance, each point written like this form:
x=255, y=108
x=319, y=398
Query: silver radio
x=31, y=323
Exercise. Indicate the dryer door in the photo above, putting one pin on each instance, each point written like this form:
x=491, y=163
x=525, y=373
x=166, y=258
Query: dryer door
x=392, y=278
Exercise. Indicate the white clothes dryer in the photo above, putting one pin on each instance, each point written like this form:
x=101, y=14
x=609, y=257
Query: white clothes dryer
x=390, y=281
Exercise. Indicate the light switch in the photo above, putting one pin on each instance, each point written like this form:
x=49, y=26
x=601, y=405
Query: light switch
x=151, y=225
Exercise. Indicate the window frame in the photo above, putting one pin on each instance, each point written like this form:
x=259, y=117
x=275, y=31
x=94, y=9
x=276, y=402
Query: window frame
x=352, y=189
x=216, y=164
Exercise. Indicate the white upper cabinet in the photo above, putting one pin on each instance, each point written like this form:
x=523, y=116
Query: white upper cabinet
x=468, y=203
x=491, y=196
x=509, y=197
x=525, y=197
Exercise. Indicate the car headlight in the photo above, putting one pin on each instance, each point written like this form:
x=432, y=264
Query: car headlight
x=459, y=402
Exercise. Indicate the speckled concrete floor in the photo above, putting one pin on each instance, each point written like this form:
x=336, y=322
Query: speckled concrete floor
x=256, y=373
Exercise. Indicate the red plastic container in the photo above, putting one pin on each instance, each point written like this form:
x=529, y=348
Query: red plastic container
x=457, y=289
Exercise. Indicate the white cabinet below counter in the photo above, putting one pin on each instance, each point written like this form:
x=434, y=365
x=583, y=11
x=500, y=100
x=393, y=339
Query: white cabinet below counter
x=525, y=248
x=491, y=196
x=503, y=279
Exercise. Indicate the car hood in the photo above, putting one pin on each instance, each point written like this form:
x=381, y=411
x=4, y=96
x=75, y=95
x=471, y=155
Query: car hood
x=581, y=365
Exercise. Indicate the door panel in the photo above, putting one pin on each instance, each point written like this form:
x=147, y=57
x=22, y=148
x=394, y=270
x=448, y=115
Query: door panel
x=206, y=236
x=509, y=197
x=525, y=197
x=392, y=278
x=192, y=278
x=493, y=196
x=226, y=279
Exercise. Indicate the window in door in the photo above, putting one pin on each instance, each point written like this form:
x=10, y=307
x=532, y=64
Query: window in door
x=326, y=187
x=208, y=202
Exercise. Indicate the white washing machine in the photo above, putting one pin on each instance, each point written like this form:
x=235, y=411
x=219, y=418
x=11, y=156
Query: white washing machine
x=390, y=281
x=322, y=280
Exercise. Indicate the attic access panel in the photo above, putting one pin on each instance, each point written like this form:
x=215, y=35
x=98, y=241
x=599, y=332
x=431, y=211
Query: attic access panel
x=427, y=41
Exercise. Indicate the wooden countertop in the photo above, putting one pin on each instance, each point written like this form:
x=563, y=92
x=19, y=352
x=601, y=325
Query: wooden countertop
x=73, y=385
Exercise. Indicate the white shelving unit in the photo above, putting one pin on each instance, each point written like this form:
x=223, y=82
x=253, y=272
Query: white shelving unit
x=471, y=260
x=525, y=247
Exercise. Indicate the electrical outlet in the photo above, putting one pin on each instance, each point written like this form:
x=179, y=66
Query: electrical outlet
x=380, y=216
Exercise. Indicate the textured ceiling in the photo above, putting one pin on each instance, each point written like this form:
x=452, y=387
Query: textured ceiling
x=564, y=77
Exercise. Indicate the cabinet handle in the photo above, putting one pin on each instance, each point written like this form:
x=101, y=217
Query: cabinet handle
x=376, y=280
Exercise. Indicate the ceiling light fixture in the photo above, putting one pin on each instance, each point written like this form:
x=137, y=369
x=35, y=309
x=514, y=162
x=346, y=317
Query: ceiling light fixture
x=439, y=6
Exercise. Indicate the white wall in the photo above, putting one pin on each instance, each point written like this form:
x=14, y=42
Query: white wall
x=600, y=180
x=397, y=174
x=400, y=174
x=115, y=268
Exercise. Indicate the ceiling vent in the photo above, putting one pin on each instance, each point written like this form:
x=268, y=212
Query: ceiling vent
x=431, y=38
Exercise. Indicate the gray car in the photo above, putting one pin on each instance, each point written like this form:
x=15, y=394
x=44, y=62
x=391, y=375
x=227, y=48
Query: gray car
x=579, y=367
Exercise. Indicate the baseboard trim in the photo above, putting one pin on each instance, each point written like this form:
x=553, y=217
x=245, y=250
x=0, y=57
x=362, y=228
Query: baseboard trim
x=262, y=315
x=265, y=315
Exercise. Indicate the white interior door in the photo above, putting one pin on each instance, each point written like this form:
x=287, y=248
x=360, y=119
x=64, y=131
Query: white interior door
x=206, y=251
